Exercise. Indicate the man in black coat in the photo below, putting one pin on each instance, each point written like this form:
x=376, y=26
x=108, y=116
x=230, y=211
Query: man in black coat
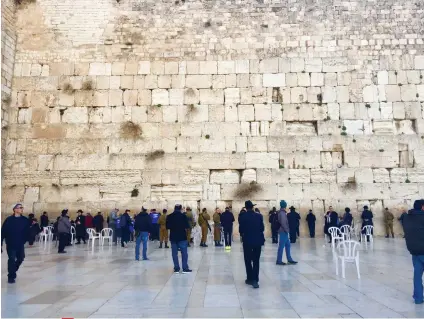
x=227, y=220
x=15, y=231
x=293, y=224
x=80, y=227
x=142, y=227
x=125, y=223
x=98, y=221
x=413, y=226
x=251, y=225
x=310, y=218
x=44, y=220
x=273, y=220
x=177, y=223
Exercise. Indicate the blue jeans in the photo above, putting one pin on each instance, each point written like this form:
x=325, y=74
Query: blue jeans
x=418, y=263
x=284, y=242
x=143, y=236
x=184, y=256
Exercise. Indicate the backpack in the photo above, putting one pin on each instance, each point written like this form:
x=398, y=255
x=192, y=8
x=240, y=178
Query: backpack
x=275, y=224
x=123, y=222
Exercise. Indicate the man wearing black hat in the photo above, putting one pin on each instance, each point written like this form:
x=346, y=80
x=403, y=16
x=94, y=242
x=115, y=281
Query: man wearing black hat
x=413, y=225
x=251, y=225
x=293, y=224
x=15, y=230
x=366, y=219
x=178, y=224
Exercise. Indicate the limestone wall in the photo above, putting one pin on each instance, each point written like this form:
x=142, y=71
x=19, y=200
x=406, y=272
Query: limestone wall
x=319, y=103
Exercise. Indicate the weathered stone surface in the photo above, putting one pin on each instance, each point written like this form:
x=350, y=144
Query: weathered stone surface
x=225, y=177
x=176, y=192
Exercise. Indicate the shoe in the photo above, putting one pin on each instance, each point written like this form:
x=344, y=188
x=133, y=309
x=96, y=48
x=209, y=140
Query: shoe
x=280, y=263
x=160, y=246
x=229, y=247
x=418, y=302
x=187, y=271
x=61, y=252
x=393, y=236
x=176, y=271
x=386, y=236
x=204, y=245
x=166, y=246
x=292, y=262
x=188, y=245
x=146, y=259
x=248, y=282
x=255, y=284
x=78, y=243
x=11, y=281
x=137, y=259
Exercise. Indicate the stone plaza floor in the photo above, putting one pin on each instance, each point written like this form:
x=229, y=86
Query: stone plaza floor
x=108, y=283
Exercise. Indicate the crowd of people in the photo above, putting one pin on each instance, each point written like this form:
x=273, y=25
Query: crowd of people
x=177, y=228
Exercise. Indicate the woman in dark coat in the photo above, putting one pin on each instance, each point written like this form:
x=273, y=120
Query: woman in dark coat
x=80, y=227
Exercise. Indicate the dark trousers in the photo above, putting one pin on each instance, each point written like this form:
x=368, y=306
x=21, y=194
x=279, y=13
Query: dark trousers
x=154, y=235
x=311, y=229
x=16, y=257
x=251, y=261
x=63, y=241
x=31, y=239
x=297, y=231
x=125, y=236
x=228, y=233
x=79, y=238
x=293, y=236
x=274, y=236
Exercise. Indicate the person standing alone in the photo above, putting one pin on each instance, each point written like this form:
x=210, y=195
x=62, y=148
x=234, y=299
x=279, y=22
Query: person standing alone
x=413, y=226
x=64, y=230
x=273, y=220
x=227, y=220
x=125, y=222
x=310, y=218
x=142, y=227
x=154, y=215
x=204, y=225
x=217, y=228
x=284, y=232
x=44, y=220
x=163, y=232
x=113, y=217
x=15, y=230
x=251, y=225
x=177, y=223
x=80, y=227
x=388, y=222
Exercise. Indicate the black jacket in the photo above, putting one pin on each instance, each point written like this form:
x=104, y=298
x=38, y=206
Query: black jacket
x=227, y=219
x=16, y=231
x=310, y=218
x=143, y=223
x=44, y=221
x=251, y=225
x=413, y=227
x=177, y=223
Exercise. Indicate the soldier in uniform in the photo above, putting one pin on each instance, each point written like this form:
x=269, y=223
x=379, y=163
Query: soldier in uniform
x=217, y=228
x=388, y=222
x=190, y=219
x=204, y=225
x=163, y=232
x=367, y=217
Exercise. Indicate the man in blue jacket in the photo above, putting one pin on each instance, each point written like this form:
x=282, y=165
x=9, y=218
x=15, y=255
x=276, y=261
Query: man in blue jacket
x=227, y=220
x=251, y=225
x=15, y=230
x=413, y=226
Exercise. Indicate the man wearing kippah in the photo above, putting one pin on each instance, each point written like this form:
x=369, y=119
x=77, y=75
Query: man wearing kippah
x=15, y=230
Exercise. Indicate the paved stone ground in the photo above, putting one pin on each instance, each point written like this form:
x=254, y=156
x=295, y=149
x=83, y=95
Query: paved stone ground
x=107, y=282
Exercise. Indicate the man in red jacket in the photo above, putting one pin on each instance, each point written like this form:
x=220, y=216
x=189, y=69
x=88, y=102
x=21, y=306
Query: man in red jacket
x=89, y=221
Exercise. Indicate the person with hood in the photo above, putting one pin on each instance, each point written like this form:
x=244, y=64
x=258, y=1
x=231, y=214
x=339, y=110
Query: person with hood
x=177, y=223
x=402, y=218
x=80, y=227
x=89, y=221
x=251, y=225
x=125, y=223
x=283, y=233
x=203, y=221
x=142, y=227
x=163, y=232
x=15, y=230
x=367, y=217
x=44, y=220
x=273, y=217
x=347, y=218
x=227, y=220
x=332, y=220
x=34, y=229
x=112, y=218
x=64, y=230
x=191, y=222
x=154, y=215
x=413, y=226
x=310, y=219
x=98, y=221
x=217, y=227
x=293, y=224
x=388, y=222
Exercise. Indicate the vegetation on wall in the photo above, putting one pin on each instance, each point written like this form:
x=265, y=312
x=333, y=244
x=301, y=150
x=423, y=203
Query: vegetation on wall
x=131, y=130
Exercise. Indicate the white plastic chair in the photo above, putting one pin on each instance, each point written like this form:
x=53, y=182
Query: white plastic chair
x=368, y=229
x=346, y=231
x=50, y=233
x=92, y=235
x=197, y=235
x=336, y=234
x=73, y=234
x=106, y=233
x=348, y=253
x=44, y=235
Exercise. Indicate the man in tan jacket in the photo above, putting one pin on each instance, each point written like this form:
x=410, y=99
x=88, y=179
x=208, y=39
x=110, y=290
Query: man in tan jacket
x=204, y=225
x=217, y=228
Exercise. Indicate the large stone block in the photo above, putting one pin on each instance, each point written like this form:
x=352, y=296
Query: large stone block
x=274, y=80
x=299, y=176
x=176, y=192
x=225, y=177
x=211, y=192
x=262, y=160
